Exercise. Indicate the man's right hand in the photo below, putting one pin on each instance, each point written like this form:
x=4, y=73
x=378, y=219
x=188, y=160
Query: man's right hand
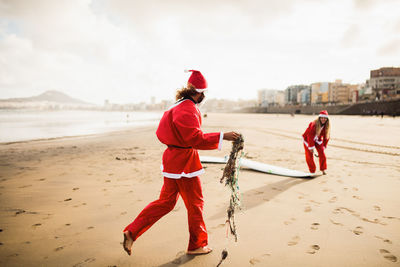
x=231, y=136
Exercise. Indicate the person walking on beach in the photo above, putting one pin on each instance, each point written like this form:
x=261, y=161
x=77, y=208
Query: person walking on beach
x=179, y=129
x=317, y=136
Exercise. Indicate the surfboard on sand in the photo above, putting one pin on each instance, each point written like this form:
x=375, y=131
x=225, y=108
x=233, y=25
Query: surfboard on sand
x=261, y=167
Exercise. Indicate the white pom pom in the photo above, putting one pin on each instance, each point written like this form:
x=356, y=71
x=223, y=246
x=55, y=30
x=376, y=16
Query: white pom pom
x=186, y=71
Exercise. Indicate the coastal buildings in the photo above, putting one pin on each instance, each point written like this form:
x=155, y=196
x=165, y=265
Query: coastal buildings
x=304, y=96
x=293, y=94
x=270, y=97
x=320, y=93
x=342, y=93
x=385, y=83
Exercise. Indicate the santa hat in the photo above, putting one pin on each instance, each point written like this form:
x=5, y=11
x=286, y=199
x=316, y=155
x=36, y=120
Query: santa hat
x=323, y=114
x=197, y=80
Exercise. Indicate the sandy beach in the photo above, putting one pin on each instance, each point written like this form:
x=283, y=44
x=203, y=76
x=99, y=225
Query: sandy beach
x=65, y=201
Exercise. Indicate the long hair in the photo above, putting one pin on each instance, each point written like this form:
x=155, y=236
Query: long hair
x=186, y=92
x=318, y=128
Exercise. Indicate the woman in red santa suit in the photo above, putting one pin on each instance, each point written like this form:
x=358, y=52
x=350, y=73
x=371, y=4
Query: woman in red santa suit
x=179, y=129
x=317, y=136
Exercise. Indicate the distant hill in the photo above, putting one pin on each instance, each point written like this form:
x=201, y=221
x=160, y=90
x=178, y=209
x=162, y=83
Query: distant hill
x=48, y=96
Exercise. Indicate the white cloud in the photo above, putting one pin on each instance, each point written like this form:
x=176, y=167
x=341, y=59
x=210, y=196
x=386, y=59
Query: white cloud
x=128, y=51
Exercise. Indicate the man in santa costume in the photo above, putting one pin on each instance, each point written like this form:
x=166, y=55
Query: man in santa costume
x=317, y=136
x=179, y=129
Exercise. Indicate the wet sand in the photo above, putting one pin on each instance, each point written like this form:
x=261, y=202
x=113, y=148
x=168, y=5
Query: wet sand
x=65, y=202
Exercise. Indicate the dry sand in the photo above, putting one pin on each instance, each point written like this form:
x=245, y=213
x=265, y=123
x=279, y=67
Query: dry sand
x=65, y=202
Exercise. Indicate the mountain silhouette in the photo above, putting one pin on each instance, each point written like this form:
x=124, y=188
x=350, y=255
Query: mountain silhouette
x=49, y=96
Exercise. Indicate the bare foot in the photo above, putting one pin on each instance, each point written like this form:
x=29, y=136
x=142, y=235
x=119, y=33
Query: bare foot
x=128, y=242
x=199, y=251
x=324, y=172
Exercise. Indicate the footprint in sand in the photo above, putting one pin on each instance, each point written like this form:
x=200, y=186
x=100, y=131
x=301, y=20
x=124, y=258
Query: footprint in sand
x=377, y=208
x=314, y=226
x=59, y=248
x=75, y=188
x=386, y=254
x=68, y=199
x=384, y=239
x=335, y=223
x=307, y=209
x=19, y=211
x=358, y=230
x=254, y=261
x=313, y=249
x=357, y=197
x=36, y=225
x=355, y=188
x=90, y=227
x=123, y=213
x=294, y=241
x=333, y=200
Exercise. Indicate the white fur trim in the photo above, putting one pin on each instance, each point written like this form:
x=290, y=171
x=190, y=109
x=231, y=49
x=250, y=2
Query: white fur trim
x=201, y=90
x=310, y=148
x=323, y=116
x=221, y=138
x=186, y=70
x=183, y=174
x=177, y=103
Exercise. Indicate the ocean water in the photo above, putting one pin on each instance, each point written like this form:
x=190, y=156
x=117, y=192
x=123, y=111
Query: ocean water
x=23, y=125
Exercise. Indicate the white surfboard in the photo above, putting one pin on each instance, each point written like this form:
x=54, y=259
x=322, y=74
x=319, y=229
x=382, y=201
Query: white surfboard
x=261, y=167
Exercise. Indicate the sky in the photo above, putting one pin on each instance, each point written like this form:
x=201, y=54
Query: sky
x=129, y=51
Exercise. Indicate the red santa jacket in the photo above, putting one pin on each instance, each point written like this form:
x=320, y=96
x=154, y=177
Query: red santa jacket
x=310, y=138
x=179, y=129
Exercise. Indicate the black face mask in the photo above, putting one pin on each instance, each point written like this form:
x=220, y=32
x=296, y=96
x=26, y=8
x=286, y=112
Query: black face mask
x=201, y=98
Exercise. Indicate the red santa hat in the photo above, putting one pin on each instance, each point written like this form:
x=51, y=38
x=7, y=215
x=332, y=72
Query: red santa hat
x=323, y=114
x=197, y=80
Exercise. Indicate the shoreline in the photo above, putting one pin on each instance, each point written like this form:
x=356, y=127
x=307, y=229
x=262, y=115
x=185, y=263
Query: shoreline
x=132, y=128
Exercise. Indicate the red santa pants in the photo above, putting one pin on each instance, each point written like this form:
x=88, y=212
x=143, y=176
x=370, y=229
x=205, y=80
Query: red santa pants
x=310, y=158
x=191, y=192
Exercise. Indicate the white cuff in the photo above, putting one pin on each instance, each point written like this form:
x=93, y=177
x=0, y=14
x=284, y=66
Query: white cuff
x=311, y=148
x=221, y=138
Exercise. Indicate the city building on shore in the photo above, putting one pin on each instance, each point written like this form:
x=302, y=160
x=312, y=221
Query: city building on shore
x=297, y=94
x=385, y=83
x=270, y=97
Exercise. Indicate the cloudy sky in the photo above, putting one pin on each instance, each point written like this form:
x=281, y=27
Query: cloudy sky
x=128, y=51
